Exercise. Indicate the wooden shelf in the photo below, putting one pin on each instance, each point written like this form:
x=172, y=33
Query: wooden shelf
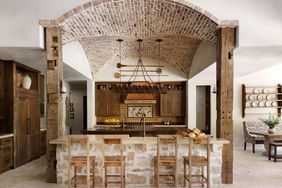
x=246, y=100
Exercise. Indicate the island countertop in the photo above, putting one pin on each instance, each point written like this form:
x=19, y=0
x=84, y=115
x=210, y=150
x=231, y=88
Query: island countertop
x=131, y=140
x=135, y=130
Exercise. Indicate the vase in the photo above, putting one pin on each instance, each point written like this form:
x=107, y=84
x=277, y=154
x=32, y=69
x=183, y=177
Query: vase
x=271, y=131
x=19, y=79
x=26, y=83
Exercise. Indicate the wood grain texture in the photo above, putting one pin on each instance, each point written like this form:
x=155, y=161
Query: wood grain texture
x=54, y=102
x=224, y=77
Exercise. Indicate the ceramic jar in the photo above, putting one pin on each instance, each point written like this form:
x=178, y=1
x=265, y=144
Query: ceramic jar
x=19, y=79
x=26, y=83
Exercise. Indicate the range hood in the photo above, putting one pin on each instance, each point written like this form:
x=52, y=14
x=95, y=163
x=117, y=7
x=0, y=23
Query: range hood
x=140, y=98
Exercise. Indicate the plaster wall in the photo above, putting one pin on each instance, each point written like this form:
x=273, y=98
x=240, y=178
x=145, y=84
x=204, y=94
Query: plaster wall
x=108, y=71
x=266, y=77
x=74, y=56
x=201, y=107
x=204, y=78
x=77, y=93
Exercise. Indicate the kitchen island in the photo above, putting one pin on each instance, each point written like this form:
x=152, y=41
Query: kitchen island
x=135, y=130
x=139, y=153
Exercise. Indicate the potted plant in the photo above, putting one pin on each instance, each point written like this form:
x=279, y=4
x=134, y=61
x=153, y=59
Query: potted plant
x=272, y=121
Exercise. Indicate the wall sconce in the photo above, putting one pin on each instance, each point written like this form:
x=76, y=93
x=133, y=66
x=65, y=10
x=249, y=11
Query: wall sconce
x=214, y=90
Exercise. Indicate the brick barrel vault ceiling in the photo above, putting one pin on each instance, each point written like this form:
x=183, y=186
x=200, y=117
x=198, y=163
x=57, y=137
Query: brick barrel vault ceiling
x=99, y=23
x=178, y=51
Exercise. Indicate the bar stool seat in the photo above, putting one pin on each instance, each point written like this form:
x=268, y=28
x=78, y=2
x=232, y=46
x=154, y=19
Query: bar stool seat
x=197, y=160
x=166, y=160
x=113, y=160
x=81, y=160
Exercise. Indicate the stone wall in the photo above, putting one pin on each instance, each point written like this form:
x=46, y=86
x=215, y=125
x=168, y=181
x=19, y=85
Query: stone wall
x=139, y=163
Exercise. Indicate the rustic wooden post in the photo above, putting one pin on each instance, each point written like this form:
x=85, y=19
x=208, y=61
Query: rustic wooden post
x=54, y=103
x=224, y=76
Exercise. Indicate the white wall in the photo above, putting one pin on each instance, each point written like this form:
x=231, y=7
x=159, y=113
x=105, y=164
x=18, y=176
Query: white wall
x=20, y=19
x=204, y=57
x=91, y=118
x=77, y=94
x=267, y=77
x=201, y=107
x=74, y=56
x=204, y=78
x=108, y=71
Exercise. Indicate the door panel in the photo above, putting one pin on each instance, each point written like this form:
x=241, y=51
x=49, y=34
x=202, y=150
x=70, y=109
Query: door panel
x=21, y=131
x=113, y=103
x=34, y=136
x=101, y=103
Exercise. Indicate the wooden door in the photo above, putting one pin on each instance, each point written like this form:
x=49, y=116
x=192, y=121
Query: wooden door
x=21, y=124
x=173, y=103
x=179, y=104
x=113, y=103
x=101, y=103
x=2, y=98
x=34, y=128
x=2, y=78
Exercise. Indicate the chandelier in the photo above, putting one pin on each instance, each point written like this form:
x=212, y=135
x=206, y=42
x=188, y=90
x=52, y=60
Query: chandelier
x=140, y=76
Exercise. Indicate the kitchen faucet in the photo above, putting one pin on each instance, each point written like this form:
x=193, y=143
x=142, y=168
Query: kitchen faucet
x=142, y=122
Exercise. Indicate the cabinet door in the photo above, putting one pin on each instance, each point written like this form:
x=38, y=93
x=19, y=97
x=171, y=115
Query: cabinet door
x=173, y=104
x=2, y=107
x=34, y=128
x=2, y=98
x=101, y=103
x=2, y=81
x=21, y=125
x=113, y=103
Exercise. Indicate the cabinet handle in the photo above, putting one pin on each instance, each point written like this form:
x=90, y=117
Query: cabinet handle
x=29, y=125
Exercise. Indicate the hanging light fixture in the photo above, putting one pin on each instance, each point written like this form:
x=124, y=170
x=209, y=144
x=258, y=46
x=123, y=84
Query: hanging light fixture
x=141, y=77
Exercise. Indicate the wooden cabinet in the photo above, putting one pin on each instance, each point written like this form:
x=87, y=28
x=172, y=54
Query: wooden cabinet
x=6, y=154
x=173, y=103
x=27, y=129
x=22, y=110
x=107, y=101
x=2, y=97
x=43, y=142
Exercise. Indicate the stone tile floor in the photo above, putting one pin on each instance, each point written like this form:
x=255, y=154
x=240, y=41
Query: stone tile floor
x=250, y=171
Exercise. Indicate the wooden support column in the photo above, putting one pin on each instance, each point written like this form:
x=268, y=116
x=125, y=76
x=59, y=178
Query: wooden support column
x=54, y=103
x=224, y=77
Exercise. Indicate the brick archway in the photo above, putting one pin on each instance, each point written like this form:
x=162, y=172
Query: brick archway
x=181, y=24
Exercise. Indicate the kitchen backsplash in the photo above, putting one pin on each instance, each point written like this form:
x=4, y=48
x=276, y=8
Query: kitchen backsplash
x=126, y=117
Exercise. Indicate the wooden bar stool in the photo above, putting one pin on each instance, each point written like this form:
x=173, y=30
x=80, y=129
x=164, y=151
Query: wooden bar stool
x=79, y=161
x=166, y=161
x=197, y=161
x=113, y=161
x=275, y=145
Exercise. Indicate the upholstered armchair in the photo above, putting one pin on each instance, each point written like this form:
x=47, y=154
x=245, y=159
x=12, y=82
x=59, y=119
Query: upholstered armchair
x=253, y=126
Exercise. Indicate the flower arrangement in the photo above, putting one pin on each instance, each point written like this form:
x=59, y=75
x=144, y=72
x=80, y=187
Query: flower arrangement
x=271, y=121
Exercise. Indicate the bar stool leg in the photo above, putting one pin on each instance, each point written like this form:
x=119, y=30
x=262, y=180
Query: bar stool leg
x=75, y=176
x=121, y=176
x=202, y=176
x=269, y=152
x=93, y=174
x=275, y=153
x=185, y=173
x=175, y=176
x=106, y=176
